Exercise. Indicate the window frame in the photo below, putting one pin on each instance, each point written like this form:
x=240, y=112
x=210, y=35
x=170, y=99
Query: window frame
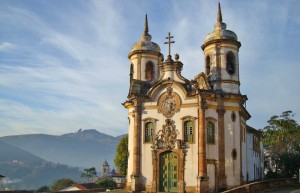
x=190, y=130
x=146, y=121
x=149, y=63
x=214, y=122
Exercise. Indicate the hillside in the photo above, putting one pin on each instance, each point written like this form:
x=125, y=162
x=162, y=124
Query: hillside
x=23, y=170
x=84, y=148
x=9, y=153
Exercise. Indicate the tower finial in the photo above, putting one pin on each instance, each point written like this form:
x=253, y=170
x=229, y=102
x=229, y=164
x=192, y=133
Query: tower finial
x=146, y=30
x=219, y=13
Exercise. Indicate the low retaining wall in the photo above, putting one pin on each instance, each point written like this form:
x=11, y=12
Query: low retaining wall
x=264, y=186
x=75, y=191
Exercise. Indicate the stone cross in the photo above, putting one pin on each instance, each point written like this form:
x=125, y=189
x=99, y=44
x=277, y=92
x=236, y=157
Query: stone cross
x=169, y=42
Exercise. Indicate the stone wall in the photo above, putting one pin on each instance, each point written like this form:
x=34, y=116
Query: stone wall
x=75, y=191
x=264, y=186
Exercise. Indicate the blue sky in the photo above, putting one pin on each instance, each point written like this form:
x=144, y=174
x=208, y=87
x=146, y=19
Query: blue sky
x=64, y=65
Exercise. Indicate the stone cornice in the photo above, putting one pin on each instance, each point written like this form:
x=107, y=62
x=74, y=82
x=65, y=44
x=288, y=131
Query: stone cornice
x=215, y=41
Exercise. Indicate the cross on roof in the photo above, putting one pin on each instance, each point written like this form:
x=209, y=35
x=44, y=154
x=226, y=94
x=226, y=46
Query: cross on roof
x=169, y=42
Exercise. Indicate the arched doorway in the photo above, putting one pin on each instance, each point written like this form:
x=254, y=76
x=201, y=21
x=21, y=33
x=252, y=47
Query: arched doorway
x=168, y=177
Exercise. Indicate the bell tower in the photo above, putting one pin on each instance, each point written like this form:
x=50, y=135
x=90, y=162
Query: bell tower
x=144, y=58
x=105, y=168
x=221, y=60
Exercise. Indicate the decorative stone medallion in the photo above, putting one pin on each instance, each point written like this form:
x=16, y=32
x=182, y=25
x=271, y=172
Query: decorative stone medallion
x=169, y=103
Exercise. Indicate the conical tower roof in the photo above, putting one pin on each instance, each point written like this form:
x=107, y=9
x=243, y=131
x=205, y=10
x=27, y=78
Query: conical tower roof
x=105, y=163
x=220, y=31
x=145, y=43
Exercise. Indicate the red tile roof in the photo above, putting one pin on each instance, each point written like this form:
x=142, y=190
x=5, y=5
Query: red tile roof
x=85, y=186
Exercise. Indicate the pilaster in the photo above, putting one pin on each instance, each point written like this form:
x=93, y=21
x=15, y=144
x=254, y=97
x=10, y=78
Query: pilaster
x=221, y=145
x=136, y=184
x=202, y=165
x=218, y=66
x=139, y=63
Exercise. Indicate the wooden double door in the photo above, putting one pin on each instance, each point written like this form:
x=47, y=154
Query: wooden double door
x=168, y=177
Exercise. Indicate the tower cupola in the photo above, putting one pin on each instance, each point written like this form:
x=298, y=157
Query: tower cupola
x=220, y=31
x=145, y=43
x=221, y=61
x=144, y=57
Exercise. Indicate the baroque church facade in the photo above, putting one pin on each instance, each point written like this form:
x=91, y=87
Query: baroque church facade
x=189, y=135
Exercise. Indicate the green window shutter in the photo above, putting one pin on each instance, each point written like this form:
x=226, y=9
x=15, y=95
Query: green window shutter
x=148, y=132
x=210, y=132
x=188, y=131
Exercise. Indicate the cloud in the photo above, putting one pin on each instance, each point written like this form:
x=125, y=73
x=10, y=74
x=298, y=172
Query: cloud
x=67, y=65
x=4, y=46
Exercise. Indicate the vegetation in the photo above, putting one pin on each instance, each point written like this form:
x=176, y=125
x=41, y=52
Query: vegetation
x=89, y=174
x=121, y=159
x=282, y=144
x=106, y=183
x=61, y=184
x=31, y=176
x=43, y=189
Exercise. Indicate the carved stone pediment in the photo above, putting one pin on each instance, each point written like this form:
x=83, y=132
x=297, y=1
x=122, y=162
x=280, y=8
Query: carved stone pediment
x=169, y=103
x=202, y=82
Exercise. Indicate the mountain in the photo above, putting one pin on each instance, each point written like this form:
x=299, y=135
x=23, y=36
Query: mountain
x=10, y=153
x=23, y=170
x=84, y=148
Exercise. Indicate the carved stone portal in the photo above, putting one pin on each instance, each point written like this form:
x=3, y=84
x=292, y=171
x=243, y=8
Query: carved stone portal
x=165, y=142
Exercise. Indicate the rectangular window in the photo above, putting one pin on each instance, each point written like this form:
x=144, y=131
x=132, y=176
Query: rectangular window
x=148, y=132
x=210, y=133
x=188, y=131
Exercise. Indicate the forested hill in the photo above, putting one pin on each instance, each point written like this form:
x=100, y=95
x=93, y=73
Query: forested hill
x=84, y=148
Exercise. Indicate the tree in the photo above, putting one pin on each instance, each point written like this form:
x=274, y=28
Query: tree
x=43, y=189
x=106, y=183
x=121, y=159
x=89, y=174
x=282, y=144
x=61, y=184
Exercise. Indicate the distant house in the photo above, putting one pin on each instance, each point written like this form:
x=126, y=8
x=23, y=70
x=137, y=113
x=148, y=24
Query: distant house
x=84, y=186
x=120, y=180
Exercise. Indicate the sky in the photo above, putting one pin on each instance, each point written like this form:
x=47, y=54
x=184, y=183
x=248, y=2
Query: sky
x=64, y=64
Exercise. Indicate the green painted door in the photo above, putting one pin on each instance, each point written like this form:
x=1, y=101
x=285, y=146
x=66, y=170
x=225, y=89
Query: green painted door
x=168, y=172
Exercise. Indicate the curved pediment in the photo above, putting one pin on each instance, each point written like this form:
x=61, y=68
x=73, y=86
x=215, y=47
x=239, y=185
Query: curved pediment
x=201, y=82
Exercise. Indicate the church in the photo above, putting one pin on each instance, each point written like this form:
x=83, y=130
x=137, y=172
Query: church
x=189, y=135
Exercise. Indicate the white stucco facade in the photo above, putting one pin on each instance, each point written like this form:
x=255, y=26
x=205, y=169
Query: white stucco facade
x=189, y=135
